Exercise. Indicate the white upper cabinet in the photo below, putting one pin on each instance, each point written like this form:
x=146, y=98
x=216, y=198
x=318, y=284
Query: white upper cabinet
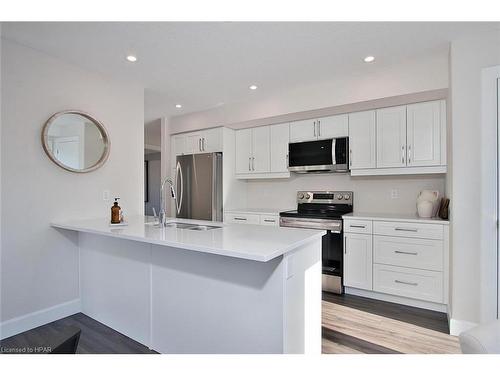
x=209, y=140
x=391, y=137
x=320, y=128
x=304, y=130
x=424, y=133
x=193, y=143
x=243, y=146
x=362, y=141
x=261, y=154
x=178, y=144
x=280, y=135
x=333, y=127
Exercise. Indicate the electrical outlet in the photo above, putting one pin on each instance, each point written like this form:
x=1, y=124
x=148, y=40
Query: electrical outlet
x=394, y=194
x=105, y=195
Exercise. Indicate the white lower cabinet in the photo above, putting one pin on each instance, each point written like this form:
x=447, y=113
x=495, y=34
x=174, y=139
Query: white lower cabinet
x=257, y=218
x=358, y=260
x=408, y=259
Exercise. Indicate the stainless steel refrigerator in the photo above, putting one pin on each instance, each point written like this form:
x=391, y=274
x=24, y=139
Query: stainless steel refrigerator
x=199, y=186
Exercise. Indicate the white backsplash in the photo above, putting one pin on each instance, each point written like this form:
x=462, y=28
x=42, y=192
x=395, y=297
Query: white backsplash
x=371, y=194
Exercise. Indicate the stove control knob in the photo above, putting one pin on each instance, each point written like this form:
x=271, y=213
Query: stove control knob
x=301, y=196
x=347, y=197
x=307, y=196
x=339, y=197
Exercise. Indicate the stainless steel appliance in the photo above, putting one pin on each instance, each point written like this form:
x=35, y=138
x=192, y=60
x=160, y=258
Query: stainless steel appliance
x=323, y=210
x=325, y=155
x=199, y=186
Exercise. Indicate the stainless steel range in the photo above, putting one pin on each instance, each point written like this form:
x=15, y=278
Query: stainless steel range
x=323, y=210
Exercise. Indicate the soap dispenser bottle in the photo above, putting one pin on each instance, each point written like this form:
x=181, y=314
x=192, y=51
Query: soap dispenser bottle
x=115, y=212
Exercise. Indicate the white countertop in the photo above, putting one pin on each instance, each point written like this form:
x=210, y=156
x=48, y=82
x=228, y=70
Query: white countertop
x=409, y=218
x=262, y=211
x=255, y=242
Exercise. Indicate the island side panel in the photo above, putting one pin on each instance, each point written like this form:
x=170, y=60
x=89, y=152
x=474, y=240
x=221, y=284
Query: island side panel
x=302, y=300
x=205, y=303
x=115, y=284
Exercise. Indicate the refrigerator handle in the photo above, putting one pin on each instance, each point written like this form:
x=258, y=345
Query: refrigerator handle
x=179, y=203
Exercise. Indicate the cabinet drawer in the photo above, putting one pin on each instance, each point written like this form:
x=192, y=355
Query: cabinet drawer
x=412, y=283
x=415, y=230
x=242, y=218
x=269, y=220
x=408, y=252
x=358, y=226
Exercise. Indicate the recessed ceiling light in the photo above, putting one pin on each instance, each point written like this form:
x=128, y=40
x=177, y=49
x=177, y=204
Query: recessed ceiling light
x=369, y=59
x=131, y=58
x=178, y=106
x=253, y=87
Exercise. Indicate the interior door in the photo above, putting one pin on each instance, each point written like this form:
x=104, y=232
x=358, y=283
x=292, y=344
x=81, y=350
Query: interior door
x=261, y=150
x=391, y=137
x=333, y=127
x=358, y=260
x=243, y=146
x=424, y=132
x=362, y=141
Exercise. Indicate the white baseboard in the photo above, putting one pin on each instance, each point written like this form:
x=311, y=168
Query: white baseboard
x=397, y=299
x=459, y=326
x=38, y=318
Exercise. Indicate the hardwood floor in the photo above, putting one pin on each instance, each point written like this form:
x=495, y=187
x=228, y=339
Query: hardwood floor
x=352, y=324
x=96, y=338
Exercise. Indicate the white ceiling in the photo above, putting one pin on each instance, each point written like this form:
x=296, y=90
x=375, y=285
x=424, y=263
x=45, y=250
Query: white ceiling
x=202, y=65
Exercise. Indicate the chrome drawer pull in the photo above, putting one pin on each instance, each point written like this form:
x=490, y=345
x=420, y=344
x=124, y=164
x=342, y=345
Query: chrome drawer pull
x=240, y=218
x=358, y=226
x=405, y=252
x=405, y=282
x=406, y=229
x=269, y=221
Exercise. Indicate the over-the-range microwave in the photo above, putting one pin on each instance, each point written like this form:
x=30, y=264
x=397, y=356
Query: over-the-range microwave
x=325, y=155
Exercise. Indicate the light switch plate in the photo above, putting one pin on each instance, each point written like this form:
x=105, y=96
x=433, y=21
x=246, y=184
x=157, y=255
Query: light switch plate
x=394, y=194
x=105, y=195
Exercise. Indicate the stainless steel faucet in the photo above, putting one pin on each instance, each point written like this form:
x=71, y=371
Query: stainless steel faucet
x=162, y=215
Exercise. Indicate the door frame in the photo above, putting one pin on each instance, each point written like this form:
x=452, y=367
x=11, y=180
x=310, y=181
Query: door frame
x=490, y=190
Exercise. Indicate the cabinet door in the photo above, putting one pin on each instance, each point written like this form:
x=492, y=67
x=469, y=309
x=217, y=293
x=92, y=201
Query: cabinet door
x=333, y=127
x=178, y=145
x=193, y=143
x=243, y=146
x=261, y=152
x=358, y=260
x=424, y=134
x=304, y=130
x=391, y=137
x=211, y=140
x=280, y=136
x=362, y=142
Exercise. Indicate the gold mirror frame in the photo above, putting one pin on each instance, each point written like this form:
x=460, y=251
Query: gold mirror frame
x=102, y=130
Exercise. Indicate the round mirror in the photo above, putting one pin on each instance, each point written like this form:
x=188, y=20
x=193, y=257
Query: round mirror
x=75, y=141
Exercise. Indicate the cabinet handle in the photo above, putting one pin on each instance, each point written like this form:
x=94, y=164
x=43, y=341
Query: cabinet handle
x=269, y=221
x=350, y=157
x=253, y=164
x=319, y=128
x=403, y=155
x=249, y=163
x=405, y=282
x=405, y=252
x=314, y=127
x=345, y=245
x=203, y=144
x=199, y=144
x=409, y=154
x=358, y=226
x=287, y=161
x=406, y=229
x=240, y=218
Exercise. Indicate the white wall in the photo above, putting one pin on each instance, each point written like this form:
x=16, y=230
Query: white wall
x=468, y=57
x=403, y=78
x=371, y=194
x=39, y=263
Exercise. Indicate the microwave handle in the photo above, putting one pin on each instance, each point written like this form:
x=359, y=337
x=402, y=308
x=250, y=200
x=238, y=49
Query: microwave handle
x=334, y=144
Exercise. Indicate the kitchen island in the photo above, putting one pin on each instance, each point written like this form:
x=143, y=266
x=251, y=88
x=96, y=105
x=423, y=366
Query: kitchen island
x=192, y=288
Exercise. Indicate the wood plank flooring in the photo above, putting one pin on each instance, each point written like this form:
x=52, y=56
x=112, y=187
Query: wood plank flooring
x=96, y=338
x=352, y=324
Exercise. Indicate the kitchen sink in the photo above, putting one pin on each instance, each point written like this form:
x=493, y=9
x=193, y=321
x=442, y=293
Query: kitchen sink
x=203, y=227
x=179, y=225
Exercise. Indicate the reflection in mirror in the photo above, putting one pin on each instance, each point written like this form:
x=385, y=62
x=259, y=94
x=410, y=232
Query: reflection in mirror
x=75, y=141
